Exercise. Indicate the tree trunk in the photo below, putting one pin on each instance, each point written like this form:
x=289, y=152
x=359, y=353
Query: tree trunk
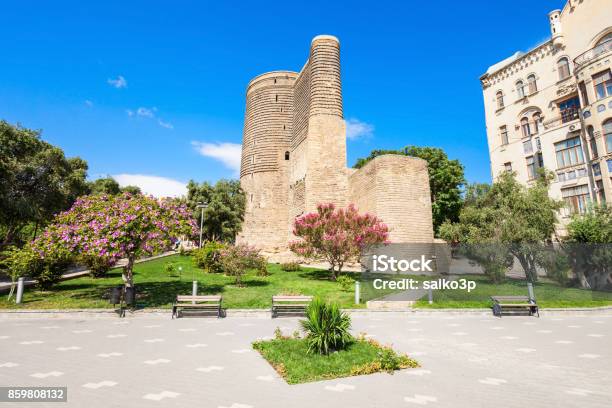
x=128, y=275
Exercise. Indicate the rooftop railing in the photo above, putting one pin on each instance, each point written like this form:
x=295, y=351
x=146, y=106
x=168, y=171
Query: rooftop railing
x=593, y=53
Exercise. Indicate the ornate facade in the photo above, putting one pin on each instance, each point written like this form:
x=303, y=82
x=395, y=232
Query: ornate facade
x=551, y=107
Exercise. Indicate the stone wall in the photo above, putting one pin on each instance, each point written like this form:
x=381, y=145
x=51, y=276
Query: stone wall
x=396, y=189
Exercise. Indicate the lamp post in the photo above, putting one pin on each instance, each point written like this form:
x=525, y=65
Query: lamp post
x=202, y=206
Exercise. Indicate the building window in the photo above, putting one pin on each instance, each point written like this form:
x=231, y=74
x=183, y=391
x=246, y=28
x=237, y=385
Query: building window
x=503, y=132
x=592, y=142
x=576, y=198
x=596, y=170
x=540, y=160
x=601, y=194
x=583, y=93
x=607, y=129
x=563, y=68
x=570, y=109
x=538, y=144
x=520, y=89
x=536, y=121
x=533, y=85
x=508, y=167
x=525, y=127
x=499, y=96
x=603, y=84
x=286, y=155
x=276, y=98
x=527, y=147
x=609, y=162
x=531, y=168
x=569, y=152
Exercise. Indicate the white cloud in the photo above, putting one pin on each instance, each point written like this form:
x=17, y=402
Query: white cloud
x=356, y=129
x=146, y=112
x=88, y=103
x=130, y=112
x=120, y=82
x=167, y=125
x=227, y=153
x=154, y=185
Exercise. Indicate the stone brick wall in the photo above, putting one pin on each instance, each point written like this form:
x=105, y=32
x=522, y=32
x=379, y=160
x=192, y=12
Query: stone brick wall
x=396, y=189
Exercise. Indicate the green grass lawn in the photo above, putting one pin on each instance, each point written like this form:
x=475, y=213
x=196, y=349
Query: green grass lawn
x=290, y=358
x=548, y=294
x=156, y=289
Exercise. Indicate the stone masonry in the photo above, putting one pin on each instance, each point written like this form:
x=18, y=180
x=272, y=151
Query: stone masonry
x=294, y=157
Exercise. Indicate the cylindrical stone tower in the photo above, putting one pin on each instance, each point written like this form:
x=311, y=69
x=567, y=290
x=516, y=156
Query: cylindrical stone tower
x=326, y=180
x=265, y=151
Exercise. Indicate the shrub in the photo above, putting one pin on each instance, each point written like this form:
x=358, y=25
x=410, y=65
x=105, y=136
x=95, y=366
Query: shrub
x=290, y=266
x=235, y=260
x=326, y=327
x=170, y=268
x=27, y=263
x=98, y=266
x=337, y=235
x=346, y=282
x=209, y=256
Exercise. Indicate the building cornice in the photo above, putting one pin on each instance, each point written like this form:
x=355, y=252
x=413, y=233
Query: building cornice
x=519, y=63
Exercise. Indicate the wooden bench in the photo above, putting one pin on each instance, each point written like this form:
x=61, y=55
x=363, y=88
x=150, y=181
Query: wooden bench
x=514, y=303
x=210, y=303
x=290, y=305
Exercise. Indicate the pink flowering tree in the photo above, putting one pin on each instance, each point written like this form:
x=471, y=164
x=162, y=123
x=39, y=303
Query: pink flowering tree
x=337, y=235
x=109, y=228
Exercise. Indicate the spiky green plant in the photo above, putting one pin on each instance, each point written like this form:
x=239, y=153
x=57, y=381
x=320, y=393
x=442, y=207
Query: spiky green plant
x=326, y=327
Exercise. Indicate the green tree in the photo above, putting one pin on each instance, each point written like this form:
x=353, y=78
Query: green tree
x=111, y=227
x=134, y=190
x=475, y=191
x=106, y=185
x=510, y=219
x=225, y=211
x=589, y=246
x=36, y=182
x=594, y=226
x=446, y=177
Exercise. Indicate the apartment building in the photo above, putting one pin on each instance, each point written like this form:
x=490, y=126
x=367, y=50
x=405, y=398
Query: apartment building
x=551, y=107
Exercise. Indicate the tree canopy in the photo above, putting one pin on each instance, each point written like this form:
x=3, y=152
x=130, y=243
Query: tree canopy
x=111, y=227
x=446, y=178
x=225, y=208
x=108, y=185
x=510, y=218
x=36, y=180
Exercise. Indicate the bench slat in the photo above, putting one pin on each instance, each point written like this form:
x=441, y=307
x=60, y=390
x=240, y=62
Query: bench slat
x=189, y=297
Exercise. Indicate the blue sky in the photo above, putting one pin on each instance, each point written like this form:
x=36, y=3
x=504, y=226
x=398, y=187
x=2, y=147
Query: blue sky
x=157, y=88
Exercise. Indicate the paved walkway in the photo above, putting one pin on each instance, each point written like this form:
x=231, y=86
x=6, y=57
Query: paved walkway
x=467, y=361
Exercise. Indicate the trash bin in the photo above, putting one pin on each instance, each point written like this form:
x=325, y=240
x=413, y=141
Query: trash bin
x=130, y=296
x=115, y=297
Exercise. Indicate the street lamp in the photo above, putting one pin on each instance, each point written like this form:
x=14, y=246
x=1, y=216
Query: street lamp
x=202, y=206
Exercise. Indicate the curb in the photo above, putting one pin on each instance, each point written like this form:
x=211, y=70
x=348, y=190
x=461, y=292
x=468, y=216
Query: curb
x=265, y=313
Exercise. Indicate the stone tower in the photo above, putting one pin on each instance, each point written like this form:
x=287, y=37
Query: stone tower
x=294, y=157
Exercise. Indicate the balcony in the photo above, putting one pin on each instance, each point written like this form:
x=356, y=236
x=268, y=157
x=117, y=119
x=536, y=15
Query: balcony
x=567, y=115
x=601, y=49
